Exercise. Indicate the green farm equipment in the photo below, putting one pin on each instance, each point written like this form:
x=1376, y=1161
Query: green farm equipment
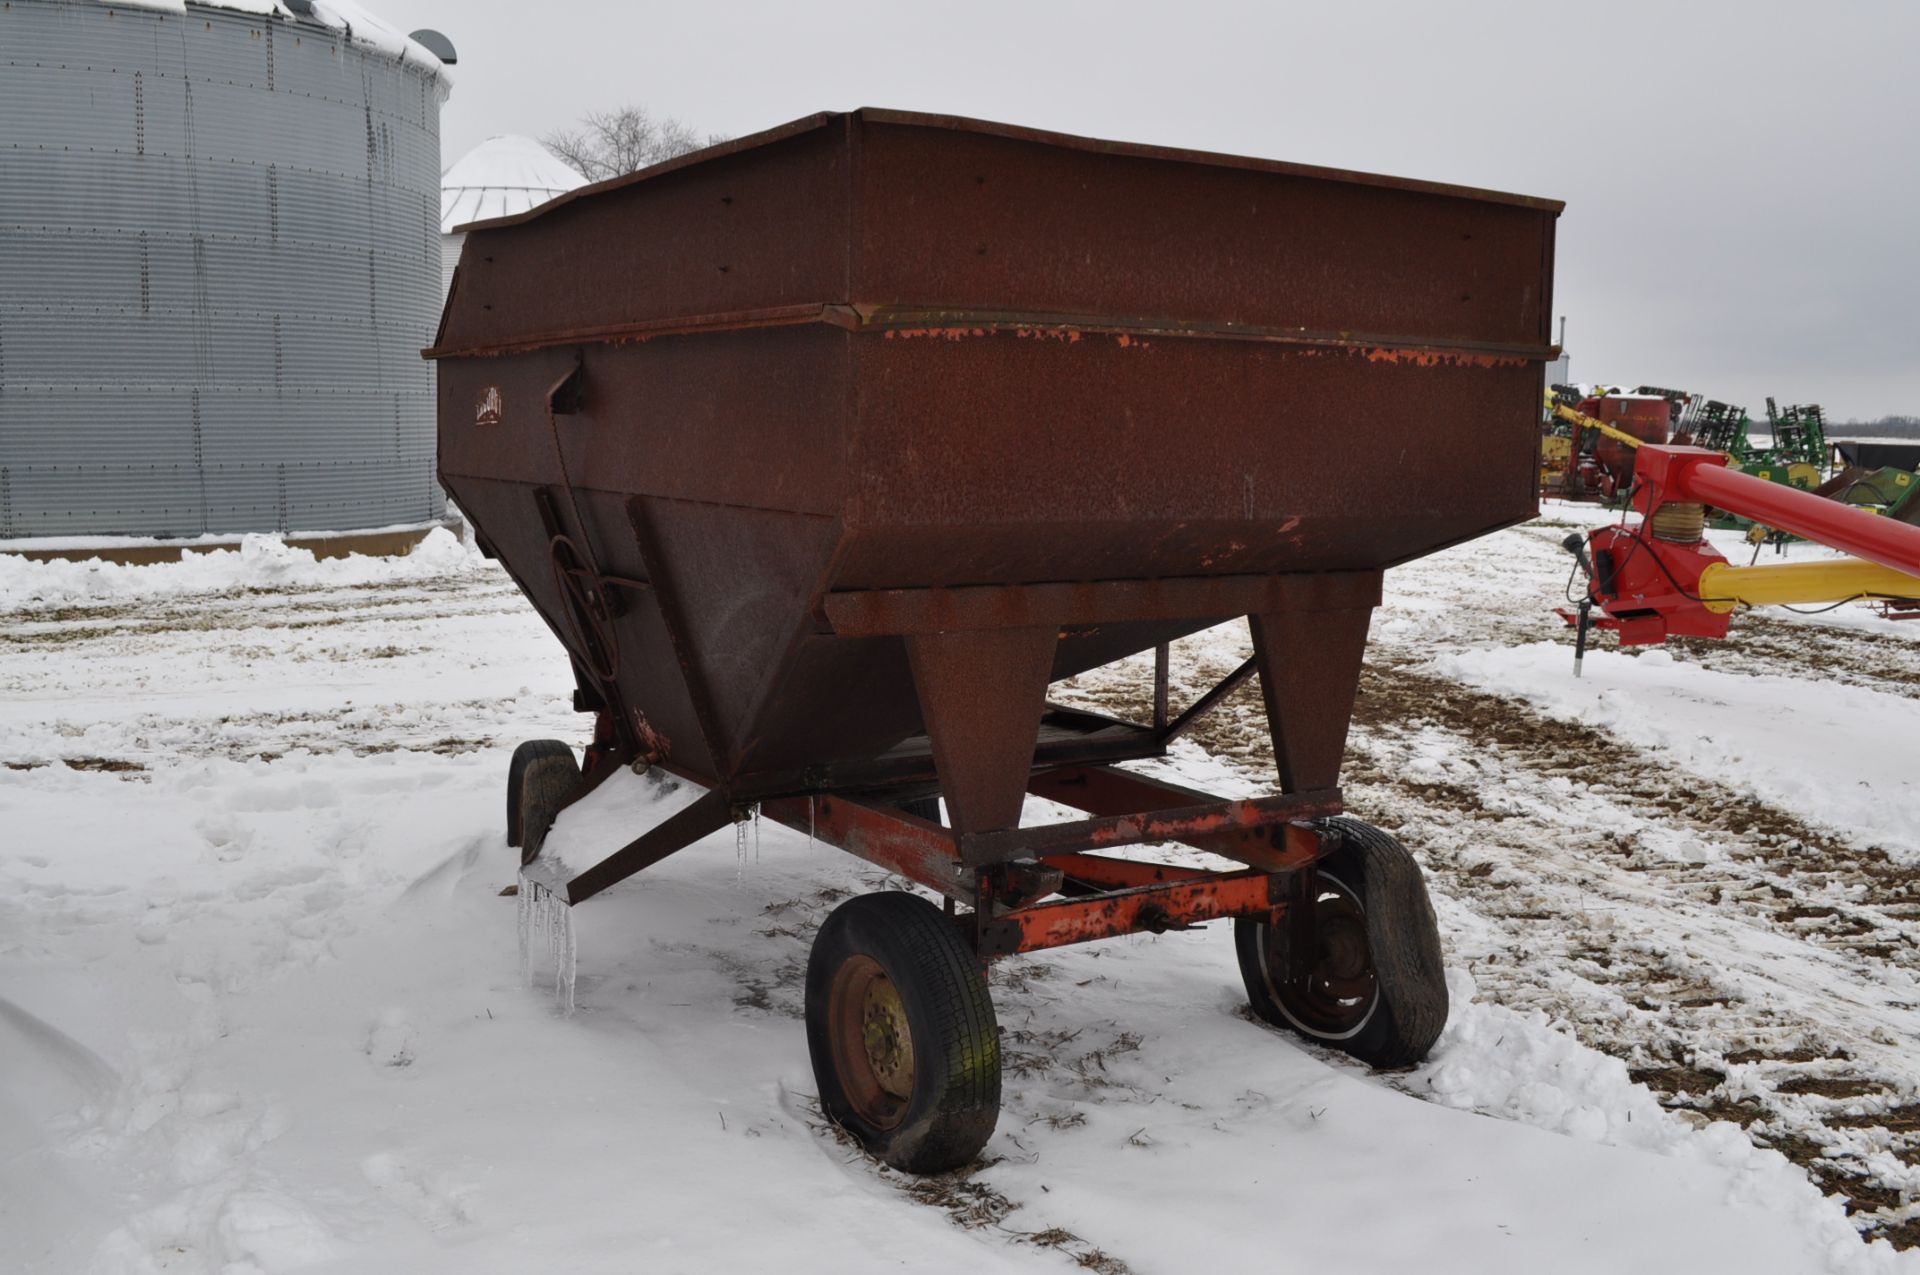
x=1799, y=434
x=1720, y=427
x=1890, y=492
x=1796, y=456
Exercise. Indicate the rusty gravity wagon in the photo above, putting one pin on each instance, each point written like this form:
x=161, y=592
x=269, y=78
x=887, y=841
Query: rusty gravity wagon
x=825, y=451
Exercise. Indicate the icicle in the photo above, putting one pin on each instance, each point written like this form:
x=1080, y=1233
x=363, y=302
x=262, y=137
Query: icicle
x=527, y=890
x=566, y=952
x=543, y=913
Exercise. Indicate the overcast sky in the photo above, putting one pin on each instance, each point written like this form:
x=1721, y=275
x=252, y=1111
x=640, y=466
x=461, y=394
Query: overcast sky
x=1742, y=179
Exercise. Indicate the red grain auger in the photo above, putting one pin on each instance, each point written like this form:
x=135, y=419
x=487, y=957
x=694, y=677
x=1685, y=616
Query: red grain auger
x=823, y=452
x=1661, y=578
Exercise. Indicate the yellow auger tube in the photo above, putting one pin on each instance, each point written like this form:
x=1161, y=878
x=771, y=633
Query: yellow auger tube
x=1587, y=422
x=1724, y=586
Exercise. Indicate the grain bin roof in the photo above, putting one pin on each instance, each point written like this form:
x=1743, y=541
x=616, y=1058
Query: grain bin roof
x=348, y=16
x=501, y=177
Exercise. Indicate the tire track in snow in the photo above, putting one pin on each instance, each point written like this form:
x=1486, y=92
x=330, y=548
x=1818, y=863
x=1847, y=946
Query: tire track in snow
x=1767, y=645
x=125, y=626
x=394, y=627
x=1745, y=964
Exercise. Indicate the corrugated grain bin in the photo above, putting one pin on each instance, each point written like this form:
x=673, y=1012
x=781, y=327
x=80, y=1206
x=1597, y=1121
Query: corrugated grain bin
x=219, y=255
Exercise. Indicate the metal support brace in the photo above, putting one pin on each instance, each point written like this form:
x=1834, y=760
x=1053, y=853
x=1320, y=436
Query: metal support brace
x=708, y=814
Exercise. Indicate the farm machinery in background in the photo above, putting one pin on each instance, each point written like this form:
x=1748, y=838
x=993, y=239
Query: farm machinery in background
x=1796, y=454
x=1584, y=454
x=1660, y=578
x=1580, y=462
x=1888, y=490
x=1798, y=457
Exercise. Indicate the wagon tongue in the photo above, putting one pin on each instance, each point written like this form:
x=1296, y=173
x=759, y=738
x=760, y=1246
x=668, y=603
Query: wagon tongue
x=548, y=874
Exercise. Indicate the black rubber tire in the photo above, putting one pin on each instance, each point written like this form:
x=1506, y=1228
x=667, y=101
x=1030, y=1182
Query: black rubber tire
x=942, y=986
x=540, y=778
x=1409, y=1004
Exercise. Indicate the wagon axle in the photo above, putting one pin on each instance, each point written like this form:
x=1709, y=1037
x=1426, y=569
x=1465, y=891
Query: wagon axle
x=1335, y=937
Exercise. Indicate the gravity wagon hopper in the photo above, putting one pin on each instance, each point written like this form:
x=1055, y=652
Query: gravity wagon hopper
x=825, y=451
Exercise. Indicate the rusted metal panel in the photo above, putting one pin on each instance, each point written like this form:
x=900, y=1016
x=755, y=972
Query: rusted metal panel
x=1215, y=822
x=1309, y=674
x=879, y=612
x=1153, y=908
x=1003, y=458
x=878, y=352
x=752, y=227
x=891, y=839
x=951, y=214
x=981, y=694
x=1041, y=223
x=1107, y=790
x=1121, y=874
x=663, y=419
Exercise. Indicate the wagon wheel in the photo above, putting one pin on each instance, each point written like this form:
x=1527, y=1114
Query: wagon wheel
x=1371, y=981
x=901, y=1028
x=585, y=609
x=540, y=779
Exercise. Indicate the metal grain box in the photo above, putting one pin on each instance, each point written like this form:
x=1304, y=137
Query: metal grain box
x=795, y=436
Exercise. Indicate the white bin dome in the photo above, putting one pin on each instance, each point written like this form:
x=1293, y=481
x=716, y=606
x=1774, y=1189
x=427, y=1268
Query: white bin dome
x=501, y=177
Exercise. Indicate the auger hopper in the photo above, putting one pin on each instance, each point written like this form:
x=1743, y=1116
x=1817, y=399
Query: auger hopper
x=825, y=451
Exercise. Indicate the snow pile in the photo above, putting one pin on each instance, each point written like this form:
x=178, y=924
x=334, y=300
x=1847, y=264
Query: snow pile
x=261, y=7
x=363, y=27
x=262, y=561
x=358, y=23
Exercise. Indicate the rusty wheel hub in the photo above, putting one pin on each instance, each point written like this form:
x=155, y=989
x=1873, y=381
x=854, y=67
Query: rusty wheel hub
x=872, y=1041
x=1332, y=987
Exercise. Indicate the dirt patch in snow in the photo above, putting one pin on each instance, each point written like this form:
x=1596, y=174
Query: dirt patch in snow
x=1768, y=645
x=1554, y=838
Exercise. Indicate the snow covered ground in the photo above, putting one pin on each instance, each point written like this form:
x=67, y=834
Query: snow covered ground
x=261, y=1006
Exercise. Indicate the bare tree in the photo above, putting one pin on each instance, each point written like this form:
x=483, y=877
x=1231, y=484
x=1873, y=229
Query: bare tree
x=614, y=143
x=1896, y=426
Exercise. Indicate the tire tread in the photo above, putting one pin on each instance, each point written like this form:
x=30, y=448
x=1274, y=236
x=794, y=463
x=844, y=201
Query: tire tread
x=1403, y=941
x=946, y=977
x=541, y=777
